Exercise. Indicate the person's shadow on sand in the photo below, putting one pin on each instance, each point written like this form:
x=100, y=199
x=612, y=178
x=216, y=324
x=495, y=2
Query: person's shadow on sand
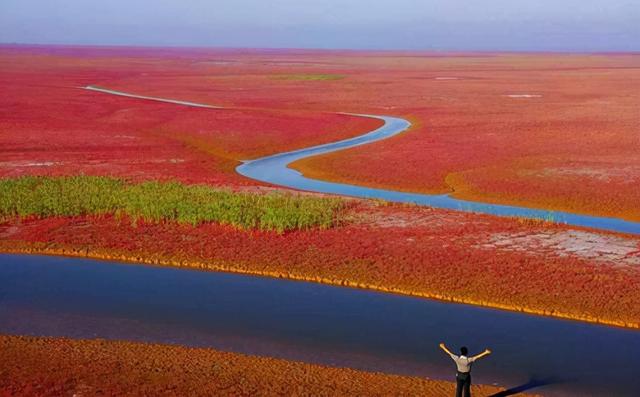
x=531, y=384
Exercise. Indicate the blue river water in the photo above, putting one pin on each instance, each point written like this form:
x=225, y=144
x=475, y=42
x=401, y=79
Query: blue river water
x=274, y=169
x=80, y=298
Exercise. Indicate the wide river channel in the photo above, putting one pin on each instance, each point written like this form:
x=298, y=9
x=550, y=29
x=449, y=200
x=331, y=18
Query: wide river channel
x=81, y=298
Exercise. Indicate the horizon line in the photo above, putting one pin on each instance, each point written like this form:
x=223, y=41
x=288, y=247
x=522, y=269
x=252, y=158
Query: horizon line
x=323, y=49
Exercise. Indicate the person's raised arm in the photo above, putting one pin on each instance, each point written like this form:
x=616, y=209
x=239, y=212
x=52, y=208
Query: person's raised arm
x=443, y=347
x=486, y=352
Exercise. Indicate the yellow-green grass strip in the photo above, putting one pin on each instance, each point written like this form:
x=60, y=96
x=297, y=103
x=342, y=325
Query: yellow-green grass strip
x=41, y=197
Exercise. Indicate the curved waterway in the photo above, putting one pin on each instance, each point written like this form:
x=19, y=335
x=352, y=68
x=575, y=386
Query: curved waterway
x=80, y=298
x=275, y=170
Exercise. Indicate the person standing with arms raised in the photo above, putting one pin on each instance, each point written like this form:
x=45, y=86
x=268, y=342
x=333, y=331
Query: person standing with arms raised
x=463, y=364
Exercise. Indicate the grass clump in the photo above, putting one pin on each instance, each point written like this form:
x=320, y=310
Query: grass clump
x=309, y=77
x=34, y=196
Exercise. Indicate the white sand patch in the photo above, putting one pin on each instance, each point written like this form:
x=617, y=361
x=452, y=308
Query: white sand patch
x=8, y=231
x=523, y=95
x=585, y=245
x=19, y=164
x=39, y=164
x=446, y=78
x=150, y=98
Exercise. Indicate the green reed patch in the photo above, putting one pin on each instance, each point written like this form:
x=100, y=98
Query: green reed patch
x=34, y=196
x=308, y=77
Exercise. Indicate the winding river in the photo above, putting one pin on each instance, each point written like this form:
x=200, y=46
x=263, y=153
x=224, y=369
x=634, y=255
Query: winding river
x=81, y=298
x=275, y=170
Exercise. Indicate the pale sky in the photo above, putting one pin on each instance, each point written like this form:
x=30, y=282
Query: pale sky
x=556, y=25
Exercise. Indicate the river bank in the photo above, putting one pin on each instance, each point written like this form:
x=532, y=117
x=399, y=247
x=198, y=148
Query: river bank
x=409, y=251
